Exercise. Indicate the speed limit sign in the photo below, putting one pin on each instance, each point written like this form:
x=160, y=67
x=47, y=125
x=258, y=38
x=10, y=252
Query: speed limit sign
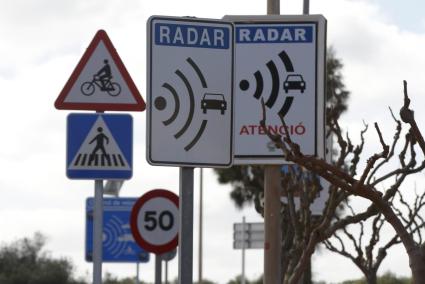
x=154, y=221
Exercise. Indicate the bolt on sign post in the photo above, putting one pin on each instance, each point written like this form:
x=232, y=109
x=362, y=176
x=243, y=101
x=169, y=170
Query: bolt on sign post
x=190, y=106
x=103, y=150
x=154, y=223
x=280, y=60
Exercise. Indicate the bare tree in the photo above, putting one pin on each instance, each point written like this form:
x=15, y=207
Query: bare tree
x=247, y=181
x=368, y=248
x=346, y=182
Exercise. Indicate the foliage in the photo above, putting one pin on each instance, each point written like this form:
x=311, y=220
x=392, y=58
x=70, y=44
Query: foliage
x=204, y=281
x=336, y=93
x=387, y=278
x=238, y=280
x=110, y=279
x=24, y=261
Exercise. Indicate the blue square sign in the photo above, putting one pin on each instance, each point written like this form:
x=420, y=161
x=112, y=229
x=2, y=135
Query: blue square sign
x=118, y=243
x=99, y=146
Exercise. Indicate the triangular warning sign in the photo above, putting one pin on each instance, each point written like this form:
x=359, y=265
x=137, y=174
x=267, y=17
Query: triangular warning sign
x=99, y=151
x=100, y=81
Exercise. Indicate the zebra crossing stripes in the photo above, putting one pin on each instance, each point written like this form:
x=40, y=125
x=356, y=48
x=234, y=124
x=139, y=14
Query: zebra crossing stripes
x=96, y=160
x=99, y=146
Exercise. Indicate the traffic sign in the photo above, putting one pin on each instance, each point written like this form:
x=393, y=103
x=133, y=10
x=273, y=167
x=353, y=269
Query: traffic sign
x=99, y=146
x=100, y=81
x=248, y=235
x=279, y=60
x=319, y=203
x=190, y=92
x=154, y=221
x=118, y=243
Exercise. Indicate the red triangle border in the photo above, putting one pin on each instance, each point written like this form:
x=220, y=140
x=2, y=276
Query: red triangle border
x=60, y=101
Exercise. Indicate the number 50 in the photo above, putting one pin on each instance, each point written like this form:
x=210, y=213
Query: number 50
x=165, y=220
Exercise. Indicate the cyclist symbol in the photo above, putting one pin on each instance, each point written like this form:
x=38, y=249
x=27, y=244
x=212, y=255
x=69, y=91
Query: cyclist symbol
x=100, y=140
x=102, y=79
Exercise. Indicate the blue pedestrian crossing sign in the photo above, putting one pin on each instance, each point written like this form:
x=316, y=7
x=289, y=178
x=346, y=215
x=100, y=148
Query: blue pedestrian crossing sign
x=99, y=146
x=118, y=243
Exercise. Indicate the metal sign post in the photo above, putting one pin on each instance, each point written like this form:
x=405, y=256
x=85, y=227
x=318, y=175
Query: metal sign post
x=97, y=231
x=190, y=114
x=306, y=7
x=272, y=226
x=286, y=71
x=186, y=226
x=247, y=236
x=200, y=248
x=158, y=269
x=90, y=88
x=166, y=257
x=137, y=273
x=243, y=250
x=273, y=229
x=166, y=272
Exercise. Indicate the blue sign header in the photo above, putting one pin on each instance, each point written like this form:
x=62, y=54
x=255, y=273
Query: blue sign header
x=274, y=34
x=192, y=36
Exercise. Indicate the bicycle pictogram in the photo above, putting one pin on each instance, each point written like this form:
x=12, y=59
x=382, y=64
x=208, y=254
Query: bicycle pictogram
x=102, y=79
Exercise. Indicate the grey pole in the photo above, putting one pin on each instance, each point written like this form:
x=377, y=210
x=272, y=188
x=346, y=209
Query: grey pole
x=306, y=7
x=273, y=7
x=97, y=231
x=166, y=272
x=272, y=228
x=186, y=226
x=158, y=269
x=243, y=250
x=137, y=272
x=200, y=225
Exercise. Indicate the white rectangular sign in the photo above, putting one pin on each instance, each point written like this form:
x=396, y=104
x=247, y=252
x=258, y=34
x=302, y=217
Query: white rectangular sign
x=280, y=60
x=190, y=92
x=252, y=236
x=249, y=227
x=248, y=244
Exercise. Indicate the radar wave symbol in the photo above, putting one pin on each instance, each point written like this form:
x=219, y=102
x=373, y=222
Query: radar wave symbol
x=113, y=232
x=161, y=103
x=259, y=84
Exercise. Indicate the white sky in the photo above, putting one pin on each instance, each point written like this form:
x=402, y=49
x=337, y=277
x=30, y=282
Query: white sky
x=380, y=42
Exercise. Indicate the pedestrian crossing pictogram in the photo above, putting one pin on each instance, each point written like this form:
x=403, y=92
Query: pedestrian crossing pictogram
x=102, y=160
x=99, y=146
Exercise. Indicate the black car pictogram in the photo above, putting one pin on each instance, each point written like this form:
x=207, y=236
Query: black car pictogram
x=213, y=101
x=294, y=82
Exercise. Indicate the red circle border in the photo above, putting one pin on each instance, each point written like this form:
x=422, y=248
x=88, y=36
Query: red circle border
x=157, y=249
